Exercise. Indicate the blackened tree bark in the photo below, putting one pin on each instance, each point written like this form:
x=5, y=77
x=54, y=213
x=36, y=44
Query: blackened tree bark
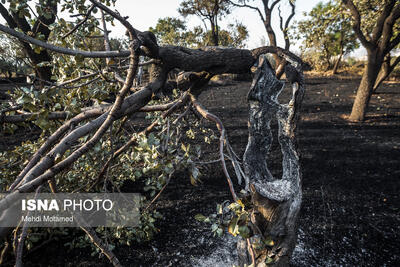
x=276, y=202
x=378, y=44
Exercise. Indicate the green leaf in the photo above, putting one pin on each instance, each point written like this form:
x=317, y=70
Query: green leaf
x=200, y=217
x=193, y=181
x=219, y=209
x=37, y=49
x=269, y=260
x=79, y=58
x=138, y=174
x=269, y=242
x=234, y=206
x=244, y=231
x=233, y=227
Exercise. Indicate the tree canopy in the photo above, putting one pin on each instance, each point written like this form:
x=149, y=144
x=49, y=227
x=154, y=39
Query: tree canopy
x=208, y=10
x=173, y=31
x=327, y=33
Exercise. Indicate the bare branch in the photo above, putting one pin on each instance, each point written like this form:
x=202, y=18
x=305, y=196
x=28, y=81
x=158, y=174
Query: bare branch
x=97, y=241
x=53, y=139
x=251, y=7
x=96, y=54
x=211, y=117
x=8, y=18
x=23, y=235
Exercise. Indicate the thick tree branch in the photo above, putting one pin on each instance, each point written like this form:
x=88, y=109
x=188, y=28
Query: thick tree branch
x=97, y=54
x=377, y=32
x=357, y=23
x=8, y=18
x=387, y=32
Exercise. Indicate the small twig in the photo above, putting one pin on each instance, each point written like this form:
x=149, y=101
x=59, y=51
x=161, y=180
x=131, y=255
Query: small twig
x=79, y=23
x=159, y=193
x=209, y=116
x=23, y=235
x=4, y=251
x=97, y=241
x=251, y=252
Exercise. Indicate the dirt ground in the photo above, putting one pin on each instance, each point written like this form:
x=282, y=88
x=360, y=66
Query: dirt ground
x=350, y=212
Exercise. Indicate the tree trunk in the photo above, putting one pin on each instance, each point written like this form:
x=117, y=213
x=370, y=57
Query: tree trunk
x=214, y=33
x=386, y=70
x=366, y=86
x=270, y=31
x=276, y=202
x=336, y=66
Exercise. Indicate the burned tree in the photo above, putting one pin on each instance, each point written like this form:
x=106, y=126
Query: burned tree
x=274, y=202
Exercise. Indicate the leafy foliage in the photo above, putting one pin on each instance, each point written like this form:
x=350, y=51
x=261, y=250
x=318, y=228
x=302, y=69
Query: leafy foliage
x=173, y=31
x=209, y=10
x=12, y=59
x=326, y=33
x=77, y=83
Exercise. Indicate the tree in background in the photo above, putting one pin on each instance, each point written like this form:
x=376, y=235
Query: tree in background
x=376, y=25
x=208, y=10
x=327, y=33
x=173, y=31
x=266, y=17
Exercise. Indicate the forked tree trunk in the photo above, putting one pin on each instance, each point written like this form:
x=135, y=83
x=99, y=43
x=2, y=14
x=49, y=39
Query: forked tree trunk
x=386, y=70
x=366, y=87
x=276, y=202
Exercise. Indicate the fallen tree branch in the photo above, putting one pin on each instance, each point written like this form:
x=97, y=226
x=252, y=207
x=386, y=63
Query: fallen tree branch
x=23, y=235
x=173, y=107
x=97, y=241
x=211, y=117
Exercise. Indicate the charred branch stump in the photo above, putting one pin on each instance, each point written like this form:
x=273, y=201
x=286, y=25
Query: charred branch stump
x=275, y=202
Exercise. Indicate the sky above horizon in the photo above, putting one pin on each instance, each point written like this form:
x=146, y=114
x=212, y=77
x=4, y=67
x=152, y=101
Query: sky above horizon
x=145, y=14
x=142, y=16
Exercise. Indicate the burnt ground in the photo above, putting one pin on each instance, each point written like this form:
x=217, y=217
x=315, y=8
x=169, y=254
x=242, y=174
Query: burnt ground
x=350, y=212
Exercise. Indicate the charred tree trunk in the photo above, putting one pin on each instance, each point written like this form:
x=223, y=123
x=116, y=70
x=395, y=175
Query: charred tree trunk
x=276, y=202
